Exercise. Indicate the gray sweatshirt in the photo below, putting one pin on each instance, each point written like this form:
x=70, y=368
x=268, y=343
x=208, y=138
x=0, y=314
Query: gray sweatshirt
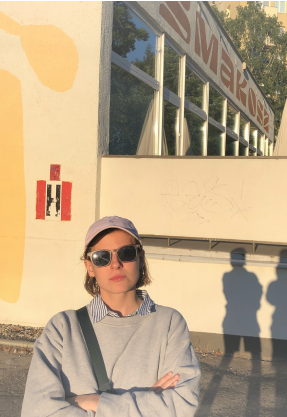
x=137, y=351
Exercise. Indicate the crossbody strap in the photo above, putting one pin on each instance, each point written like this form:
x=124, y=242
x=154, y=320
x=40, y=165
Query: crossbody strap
x=94, y=350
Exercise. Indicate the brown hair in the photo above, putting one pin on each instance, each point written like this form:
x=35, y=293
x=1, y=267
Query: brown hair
x=90, y=283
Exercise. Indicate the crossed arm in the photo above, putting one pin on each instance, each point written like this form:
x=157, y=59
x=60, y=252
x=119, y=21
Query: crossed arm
x=91, y=401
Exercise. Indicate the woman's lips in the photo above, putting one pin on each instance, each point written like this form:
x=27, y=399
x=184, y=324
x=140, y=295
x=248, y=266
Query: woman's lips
x=117, y=278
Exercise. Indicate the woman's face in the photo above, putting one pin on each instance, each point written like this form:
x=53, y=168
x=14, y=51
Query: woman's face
x=118, y=277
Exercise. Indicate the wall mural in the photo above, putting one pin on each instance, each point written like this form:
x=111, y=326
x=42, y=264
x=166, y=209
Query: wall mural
x=54, y=58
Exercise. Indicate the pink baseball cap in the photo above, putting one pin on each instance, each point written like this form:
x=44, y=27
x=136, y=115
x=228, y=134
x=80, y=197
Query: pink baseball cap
x=110, y=223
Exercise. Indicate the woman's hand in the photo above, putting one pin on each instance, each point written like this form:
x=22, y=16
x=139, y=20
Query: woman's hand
x=166, y=382
x=86, y=402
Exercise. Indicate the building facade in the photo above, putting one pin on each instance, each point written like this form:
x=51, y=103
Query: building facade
x=143, y=110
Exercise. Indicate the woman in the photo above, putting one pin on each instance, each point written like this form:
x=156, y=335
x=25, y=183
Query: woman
x=150, y=362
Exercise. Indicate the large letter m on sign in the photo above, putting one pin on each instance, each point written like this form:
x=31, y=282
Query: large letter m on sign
x=201, y=48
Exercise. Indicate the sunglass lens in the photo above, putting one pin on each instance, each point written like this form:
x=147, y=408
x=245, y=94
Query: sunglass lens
x=101, y=258
x=127, y=253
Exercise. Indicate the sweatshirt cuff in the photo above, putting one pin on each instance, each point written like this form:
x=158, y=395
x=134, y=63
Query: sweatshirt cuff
x=108, y=404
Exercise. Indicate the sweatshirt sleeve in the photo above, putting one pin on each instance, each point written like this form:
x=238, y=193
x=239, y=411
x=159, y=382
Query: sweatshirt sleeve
x=181, y=401
x=44, y=393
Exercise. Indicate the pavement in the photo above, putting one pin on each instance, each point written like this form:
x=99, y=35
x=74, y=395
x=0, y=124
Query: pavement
x=230, y=386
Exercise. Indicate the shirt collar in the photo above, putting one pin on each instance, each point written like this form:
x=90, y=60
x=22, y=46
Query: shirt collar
x=99, y=310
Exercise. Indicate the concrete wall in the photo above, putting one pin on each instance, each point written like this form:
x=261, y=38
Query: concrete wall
x=216, y=198
x=49, y=80
x=228, y=198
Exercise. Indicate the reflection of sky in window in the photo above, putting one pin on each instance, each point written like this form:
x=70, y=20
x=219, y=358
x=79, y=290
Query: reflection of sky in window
x=140, y=46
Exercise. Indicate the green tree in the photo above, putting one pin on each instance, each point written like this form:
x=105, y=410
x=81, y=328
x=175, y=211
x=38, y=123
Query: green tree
x=125, y=32
x=263, y=47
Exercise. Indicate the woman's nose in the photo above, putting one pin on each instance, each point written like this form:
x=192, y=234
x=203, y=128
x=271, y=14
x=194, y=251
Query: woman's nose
x=115, y=263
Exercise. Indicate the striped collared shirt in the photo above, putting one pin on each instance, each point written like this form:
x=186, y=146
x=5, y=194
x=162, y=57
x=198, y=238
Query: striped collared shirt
x=99, y=309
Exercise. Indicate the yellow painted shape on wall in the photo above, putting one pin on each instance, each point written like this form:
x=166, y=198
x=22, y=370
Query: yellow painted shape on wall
x=12, y=188
x=51, y=52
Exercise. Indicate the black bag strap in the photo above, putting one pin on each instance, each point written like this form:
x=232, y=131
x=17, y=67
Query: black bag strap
x=94, y=350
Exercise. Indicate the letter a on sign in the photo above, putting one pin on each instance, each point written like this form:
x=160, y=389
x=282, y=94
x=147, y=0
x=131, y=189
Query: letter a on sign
x=53, y=198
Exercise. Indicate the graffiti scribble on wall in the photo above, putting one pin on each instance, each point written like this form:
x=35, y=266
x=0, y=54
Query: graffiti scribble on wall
x=51, y=53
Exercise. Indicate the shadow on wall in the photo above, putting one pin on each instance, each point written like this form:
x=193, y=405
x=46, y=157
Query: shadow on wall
x=243, y=293
x=277, y=296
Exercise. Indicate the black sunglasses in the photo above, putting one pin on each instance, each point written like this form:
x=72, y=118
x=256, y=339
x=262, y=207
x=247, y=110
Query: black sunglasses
x=103, y=257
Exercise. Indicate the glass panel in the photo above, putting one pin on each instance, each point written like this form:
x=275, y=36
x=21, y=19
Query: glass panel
x=216, y=105
x=194, y=88
x=170, y=127
x=171, y=69
x=243, y=128
x=243, y=150
x=253, y=135
x=231, y=146
x=276, y=4
x=231, y=118
x=132, y=39
x=215, y=141
x=193, y=134
x=282, y=6
x=260, y=142
x=270, y=153
x=266, y=3
x=131, y=115
x=266, y=147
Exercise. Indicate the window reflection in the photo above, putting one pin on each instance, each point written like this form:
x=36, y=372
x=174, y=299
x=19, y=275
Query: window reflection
x=243, y=131
x=215, y=141
x=194, y=88
x=171, y=69
x=170, y=128
x=260, y=142
x=243, y=150
x=193, y=134
x=131, y=115
x=132, y=39
x=231, y=118
x=216, y=105
x=231, y=146
x=253, y=135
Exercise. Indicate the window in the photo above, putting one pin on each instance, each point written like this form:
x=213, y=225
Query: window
x=194, y=88
x=133, y=39
x=194, y=131
x=216, y=105
x=281, y=32
x=243, y=128
x=171, y=120
x=232, y=116
x=253, y=135
x=231, y=147
x=243, y=150
x=131, y=107
x=171, y=69
x=280, y=5
x=215, y=141
x=260, y=142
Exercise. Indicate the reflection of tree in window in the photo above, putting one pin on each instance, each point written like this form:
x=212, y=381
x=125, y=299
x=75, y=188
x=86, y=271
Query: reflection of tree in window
x=231, y=118
x=129, y=105
x=171, y=69
x=193, y=88
x=132, y=39
x=193, y=134
x=170, y=126
x=216, y=105
x=215, y=141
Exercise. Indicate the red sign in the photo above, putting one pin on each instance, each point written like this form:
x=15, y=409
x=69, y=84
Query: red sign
x=55, y=172
x=41, y=200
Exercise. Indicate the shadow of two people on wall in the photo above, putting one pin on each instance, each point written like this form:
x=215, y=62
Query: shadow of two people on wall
x=243, y=293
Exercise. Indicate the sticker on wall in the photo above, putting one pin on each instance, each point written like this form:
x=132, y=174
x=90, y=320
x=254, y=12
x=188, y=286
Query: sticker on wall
x=54, y=197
